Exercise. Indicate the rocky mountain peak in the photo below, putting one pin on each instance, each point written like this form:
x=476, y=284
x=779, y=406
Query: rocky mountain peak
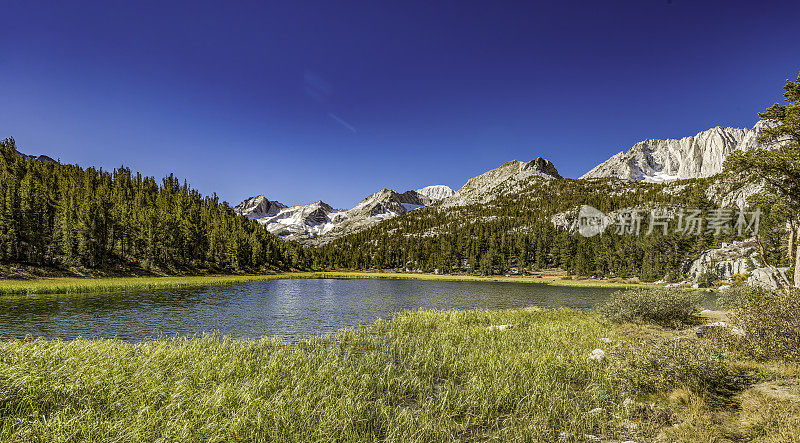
x=509, y=177
x=319, y=222
x=258, y=207
x=702, y=155
x=388, y=201
x=436, y=192
x=321, y=205
x=544, y=166
x=41, y=158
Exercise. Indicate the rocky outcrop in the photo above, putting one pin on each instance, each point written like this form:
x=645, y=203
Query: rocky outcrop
x=738, y=258
x=728, y=192
x=769, y=277
x=730, y=259
x=510, y=177
x=543, y=166
x=690, y=157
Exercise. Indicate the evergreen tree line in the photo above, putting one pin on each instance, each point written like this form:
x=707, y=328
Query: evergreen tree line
x=63, y=215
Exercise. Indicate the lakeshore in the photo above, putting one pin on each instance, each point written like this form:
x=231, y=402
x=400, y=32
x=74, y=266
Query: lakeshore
x=67, y=285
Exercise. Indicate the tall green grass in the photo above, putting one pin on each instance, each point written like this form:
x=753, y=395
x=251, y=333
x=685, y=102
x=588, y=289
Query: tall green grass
x=425, y=376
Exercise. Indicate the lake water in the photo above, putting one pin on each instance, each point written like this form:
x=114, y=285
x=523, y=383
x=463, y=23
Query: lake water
x=289, y=309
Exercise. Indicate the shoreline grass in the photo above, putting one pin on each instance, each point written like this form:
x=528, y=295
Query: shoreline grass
x=69, y=285
x=424, y=376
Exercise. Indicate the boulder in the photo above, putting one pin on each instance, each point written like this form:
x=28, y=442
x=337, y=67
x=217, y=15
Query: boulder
x=500, y=327
x=768, y=277
x=730, y=259
x=597, y=355
x=719, y=327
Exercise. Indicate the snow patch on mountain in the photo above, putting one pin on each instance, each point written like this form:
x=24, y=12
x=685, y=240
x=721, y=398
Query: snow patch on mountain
x=296, y=222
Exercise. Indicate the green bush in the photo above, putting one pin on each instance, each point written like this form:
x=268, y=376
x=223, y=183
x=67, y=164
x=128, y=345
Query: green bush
x=669, y=307
x=770, y=321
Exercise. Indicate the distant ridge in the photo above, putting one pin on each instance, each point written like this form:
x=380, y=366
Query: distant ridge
x=41, y=158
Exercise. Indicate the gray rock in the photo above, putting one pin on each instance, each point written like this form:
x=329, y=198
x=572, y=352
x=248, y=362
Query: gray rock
x=768, y=277
x=500, y=327
x=690, y=157
x=734, y=258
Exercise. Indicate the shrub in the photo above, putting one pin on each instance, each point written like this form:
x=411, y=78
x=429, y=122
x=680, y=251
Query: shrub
x=707, y=279
x=735, y=296
x=770, y=320
x=739, y=279
x=659, y=366
x=669, y=307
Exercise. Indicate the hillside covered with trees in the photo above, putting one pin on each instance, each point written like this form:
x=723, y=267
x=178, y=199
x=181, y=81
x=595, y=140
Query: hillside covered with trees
x=63, y=216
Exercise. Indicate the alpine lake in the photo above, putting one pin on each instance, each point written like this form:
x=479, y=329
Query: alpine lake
x=289, y=309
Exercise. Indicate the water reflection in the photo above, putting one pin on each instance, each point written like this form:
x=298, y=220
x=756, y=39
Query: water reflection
x=289, y=309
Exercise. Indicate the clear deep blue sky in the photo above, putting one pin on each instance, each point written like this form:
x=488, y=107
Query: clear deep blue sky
x=333, y=100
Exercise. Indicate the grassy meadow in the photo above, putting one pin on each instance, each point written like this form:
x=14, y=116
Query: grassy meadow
x=424, y=376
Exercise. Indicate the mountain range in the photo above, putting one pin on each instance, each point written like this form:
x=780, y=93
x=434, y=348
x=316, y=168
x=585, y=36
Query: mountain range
x=319, y=222
x=651, y=160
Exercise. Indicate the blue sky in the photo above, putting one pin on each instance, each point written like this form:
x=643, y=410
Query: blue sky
x=333, y=100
